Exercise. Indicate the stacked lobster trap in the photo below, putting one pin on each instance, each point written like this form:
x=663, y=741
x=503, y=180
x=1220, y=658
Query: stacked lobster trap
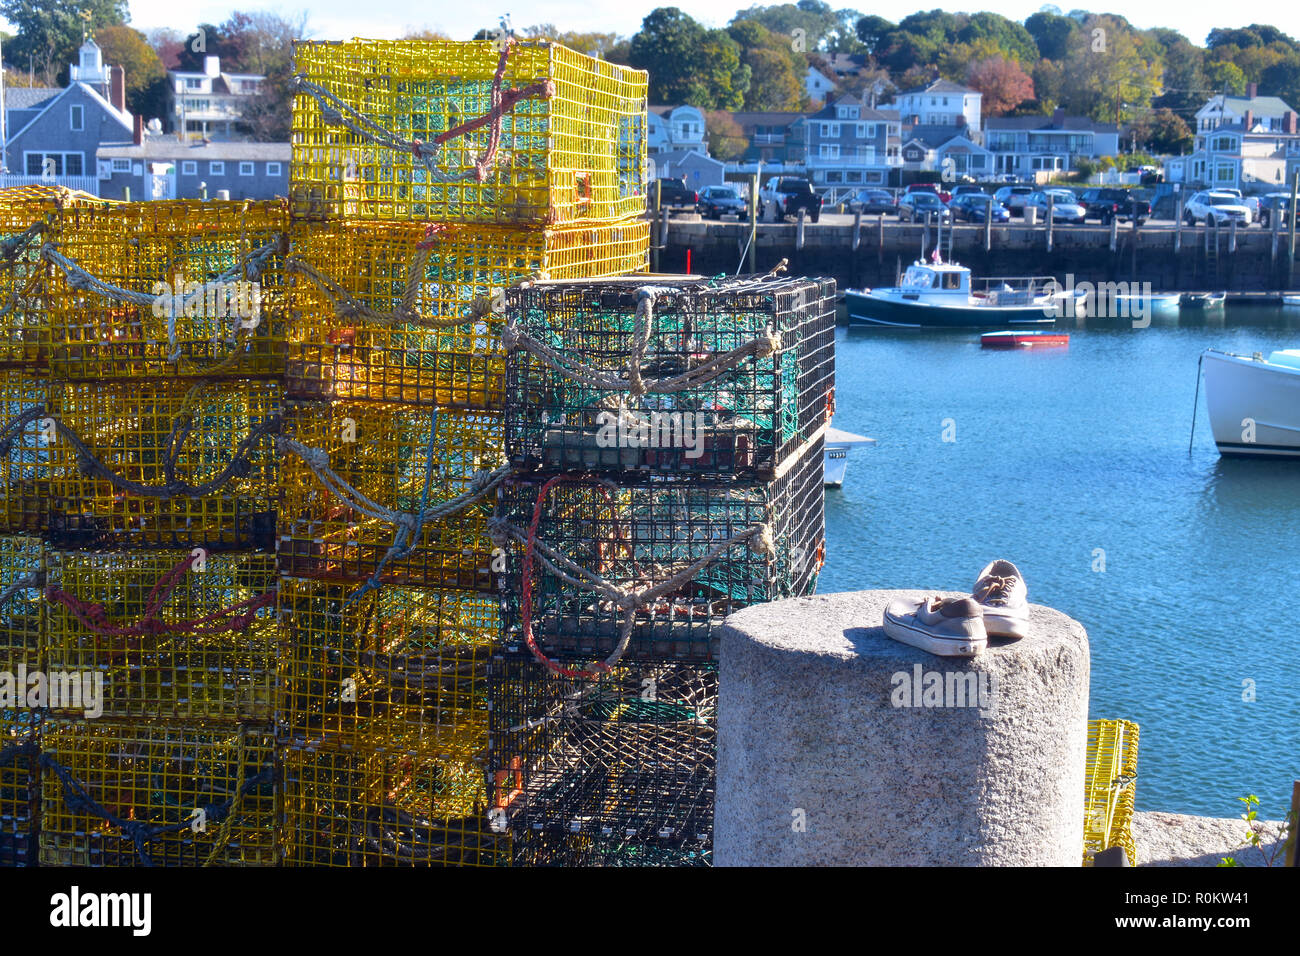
x=141, y=369
x=667, y=438
x=427, y=177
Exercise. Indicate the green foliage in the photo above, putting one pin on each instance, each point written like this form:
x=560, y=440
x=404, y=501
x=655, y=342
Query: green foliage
x=820, y=25
x=1259, y=834
x=1161, y=131
x=128, y=49
x=773, y=83
x=1283, y=79
x=872, y=30
x=1257, y=34
x=1051, y=33
x=50, y=33
x=689, y=64
x=1012, y=39
x=1107, y=74
x=726, y=137
x=1224, y=76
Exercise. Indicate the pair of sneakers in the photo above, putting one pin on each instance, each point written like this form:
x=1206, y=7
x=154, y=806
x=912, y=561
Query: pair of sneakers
x=961, y=627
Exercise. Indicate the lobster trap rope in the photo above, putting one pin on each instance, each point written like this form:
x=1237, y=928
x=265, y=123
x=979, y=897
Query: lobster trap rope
x=514, y=338
x=26, y=583
x=627, y=598
x=337, y=112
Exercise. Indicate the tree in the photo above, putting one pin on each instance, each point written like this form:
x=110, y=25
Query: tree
x=209, y=40
x=1051, y=33
x=816, y=21
x=1184, y=77
x=872, y=30
x=1010, y=37
x=1106, y=75
x=50, y=33
x=424, y=33
x=1161, y=131
x=167, y=43
x=265, y=44
x=1257, y=34
x=1282, y=79
x=773, y=84
x=128, y=49
x=1004, y=84
x=668, y=47
x=1226, y=77
x=727, y=139
x=721, y=80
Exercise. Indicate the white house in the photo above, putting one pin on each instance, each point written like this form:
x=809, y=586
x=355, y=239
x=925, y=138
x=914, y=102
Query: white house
x=1240, y=155
x=209, y=104
x=942, y=103
x=1266, y=112
x=675, y=128
x=818, y=85
x=1034, y=147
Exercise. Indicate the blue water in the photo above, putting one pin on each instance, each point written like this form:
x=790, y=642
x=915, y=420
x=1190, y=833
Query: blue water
x=1058, y=453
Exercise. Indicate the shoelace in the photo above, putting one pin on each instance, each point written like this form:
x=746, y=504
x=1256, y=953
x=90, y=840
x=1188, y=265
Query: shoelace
x=998, y=587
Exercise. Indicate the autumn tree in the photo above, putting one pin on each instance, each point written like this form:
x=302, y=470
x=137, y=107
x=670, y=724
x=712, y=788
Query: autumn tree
x=776, y=71
x=1161, y=131
x=146, y=80
x=1002, y=82
x=1106, y=75
x=167, y=43
x=726, y=137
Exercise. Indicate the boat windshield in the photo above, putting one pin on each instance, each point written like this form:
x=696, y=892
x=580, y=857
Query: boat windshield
x=919, y=279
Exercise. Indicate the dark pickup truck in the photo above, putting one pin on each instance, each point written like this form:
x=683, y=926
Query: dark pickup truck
x=785, y=197
x=1108, y=204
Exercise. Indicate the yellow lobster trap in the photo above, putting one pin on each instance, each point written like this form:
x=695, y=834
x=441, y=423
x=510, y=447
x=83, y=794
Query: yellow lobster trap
x=162, y=464
x=20, y=785
x=22, y=603
x=350, y=808
x=398, y=493
x=1111, y=772
x=505, y=131
x=166, y=289
x=148, y=794
x=396, y=668
x=405, y=312
x=27, y=215
x=26, y=454
x=171, y=634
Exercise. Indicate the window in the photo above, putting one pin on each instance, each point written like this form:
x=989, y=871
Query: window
x=830, y=151
x=121, y=165
x=273, y=169
x=216, y=169
x=834, y=177
x=862, y=131
x=189, y=168
x=945, y=101
x=55, y=164
x=245, y=169
x=76, y=117
x=1222, y=144
x=193, y=83
x=853, y=176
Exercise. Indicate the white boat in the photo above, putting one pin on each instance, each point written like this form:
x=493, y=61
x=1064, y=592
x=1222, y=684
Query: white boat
x=1204, y=300
x=1291, y=301
x=836, y=455
x=1254, y=402
x=1157, y=303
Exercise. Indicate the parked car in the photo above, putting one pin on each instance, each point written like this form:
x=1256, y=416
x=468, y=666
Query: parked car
x=718, y=201
x=784, y=196
x=674, y=193
x=1274, y=205
x=1013, y=197
x=1214, y=206
x=934, y=188
x=973, y=207
x=1065, y=205
x=1108, y=203
x=966, y=190
x=918, y=205
x=873, y=201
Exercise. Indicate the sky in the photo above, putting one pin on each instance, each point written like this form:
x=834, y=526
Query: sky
x=379, y=19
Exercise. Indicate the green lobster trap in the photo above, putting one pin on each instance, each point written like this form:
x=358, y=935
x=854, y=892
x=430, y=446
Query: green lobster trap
x=353, y=809
x=20, y=785
x=134, y=794
x=162, y=464
x=615, y=771
x=648, y=572
x=395, y=669
x=402, y=312
x=505, y=131
x=699, y=379
x=165, y=289
x=398, y=493
x=175, y=635
x=22, y=604
x=27, y=454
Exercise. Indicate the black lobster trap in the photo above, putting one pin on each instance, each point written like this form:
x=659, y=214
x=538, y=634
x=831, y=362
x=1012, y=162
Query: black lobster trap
x=20, y=785
x=647, y=572
x=720, y=378
x=618, y=771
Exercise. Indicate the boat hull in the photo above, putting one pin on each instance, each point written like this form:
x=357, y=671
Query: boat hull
x=891, y=313
x=1254, y=407
x=1025, y=340
x=836, y=465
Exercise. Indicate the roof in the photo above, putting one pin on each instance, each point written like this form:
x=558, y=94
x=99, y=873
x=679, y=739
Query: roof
x=668, y=110
x=113, y=112
x=1048, y=123
x=772, y=118
x=681, y=155
x=845, y=63
x=168, y=148
x=934, y=136
x=941, y=86
x=1259, y=105
x=866, y=112
x=28, y=97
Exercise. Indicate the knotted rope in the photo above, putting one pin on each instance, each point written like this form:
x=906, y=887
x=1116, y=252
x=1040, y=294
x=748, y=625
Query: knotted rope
x=337, y=112
x=627, y=598
x=514, y=338
x=28, y=582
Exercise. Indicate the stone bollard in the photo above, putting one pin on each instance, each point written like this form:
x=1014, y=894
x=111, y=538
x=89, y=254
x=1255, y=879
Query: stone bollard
x=840, y=746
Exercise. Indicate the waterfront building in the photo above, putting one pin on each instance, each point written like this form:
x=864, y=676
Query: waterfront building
x=1039, y=147
x=675, y=128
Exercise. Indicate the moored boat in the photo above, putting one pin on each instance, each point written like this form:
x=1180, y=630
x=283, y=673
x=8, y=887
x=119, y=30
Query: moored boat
x=1254, y=403
x=1203, y=300
x=836, y=454
x=1024, y=340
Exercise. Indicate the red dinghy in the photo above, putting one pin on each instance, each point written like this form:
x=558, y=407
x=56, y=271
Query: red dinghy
x=1025, y=340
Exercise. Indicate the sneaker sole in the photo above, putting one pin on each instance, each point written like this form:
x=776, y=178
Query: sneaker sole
x=942, y=646
x=999, y=625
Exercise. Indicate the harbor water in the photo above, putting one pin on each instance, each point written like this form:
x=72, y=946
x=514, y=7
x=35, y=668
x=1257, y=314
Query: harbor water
x=1074, y=464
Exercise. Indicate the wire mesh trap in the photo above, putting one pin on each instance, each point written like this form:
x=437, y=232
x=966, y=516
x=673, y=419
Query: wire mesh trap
x=648, y=572
x=403, y=312
x=721, y=378
x=174, y=634
x=147, y=794
x=166, y=289
x=22, y=604
x=351, y=808
x=397, y=669
x=506, y=131
x=26, y=455
x=617, y=771
x=27, y=215
x=163, y=464
x=357, y=478
x=20, y=786
x=1110, y=776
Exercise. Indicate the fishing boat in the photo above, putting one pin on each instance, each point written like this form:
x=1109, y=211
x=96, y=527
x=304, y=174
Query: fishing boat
x=1203, y=300
x=1254, y=402
x=1157, y=303
x=939, y=295
x=836, y=455
x=1291, y=301
x=1024, y=340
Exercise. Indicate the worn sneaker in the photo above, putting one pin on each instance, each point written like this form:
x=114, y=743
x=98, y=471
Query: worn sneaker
x=1001, y=594
x=950, y=627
